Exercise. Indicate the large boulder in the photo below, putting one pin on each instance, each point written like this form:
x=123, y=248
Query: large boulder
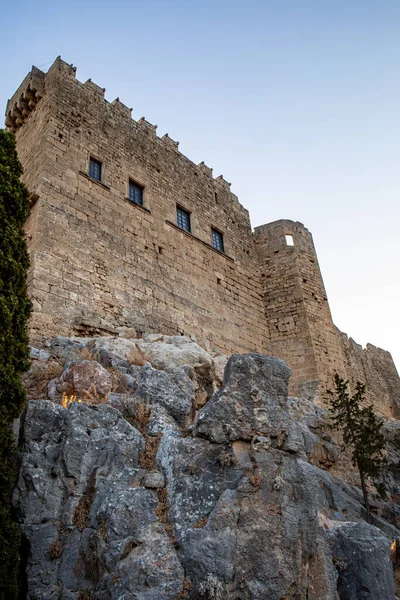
x=361, y=555
x=86, y=379
x=252, y=402
x=246, y=521
x=173, y=390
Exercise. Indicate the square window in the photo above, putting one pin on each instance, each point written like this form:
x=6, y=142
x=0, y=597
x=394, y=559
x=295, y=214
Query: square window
x=289, y=239
x=95, y=169
x=135, y=193
x=183, y=218
x=217, y=240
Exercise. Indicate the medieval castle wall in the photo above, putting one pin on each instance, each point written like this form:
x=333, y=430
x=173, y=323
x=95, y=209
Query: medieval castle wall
x=296, y=305
x=99, y=258
x=100, y=262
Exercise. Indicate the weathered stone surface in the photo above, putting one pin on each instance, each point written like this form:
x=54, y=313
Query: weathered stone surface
x=220, y=362
x=236, y=522
x=178, y=351
x=69, y=348
x=253, y=401
x=161, y=351
x=140, y=558
x=86, y=377
x=361, y=555
x=88, y=527
x=172, y=390
x=248, y=508
x=154, y=480
x=38, y=353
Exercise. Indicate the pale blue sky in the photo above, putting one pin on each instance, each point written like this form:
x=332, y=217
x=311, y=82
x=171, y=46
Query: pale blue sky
x=296, y=102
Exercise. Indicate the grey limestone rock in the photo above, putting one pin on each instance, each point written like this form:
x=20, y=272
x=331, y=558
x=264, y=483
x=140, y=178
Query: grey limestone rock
x=154, y=480
x=173, y=390
x=361, y=555
x=89, y=526
x=241, y=505
x=252, y=401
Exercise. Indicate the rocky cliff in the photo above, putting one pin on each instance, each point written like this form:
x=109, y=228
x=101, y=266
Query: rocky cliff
x=153, y=469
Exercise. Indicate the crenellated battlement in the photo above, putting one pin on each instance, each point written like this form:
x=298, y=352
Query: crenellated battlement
x=32, y=89
x=25, y=99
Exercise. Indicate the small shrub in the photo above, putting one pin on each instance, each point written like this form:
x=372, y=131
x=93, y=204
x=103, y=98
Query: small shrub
x=93, y=560
x=255, y=480
x=162, y=514
x=56, y=550
x=85, y=353
x=103, y=530
x=119, y=381
x=143, y=414
x=147, y=459
x=62, y=530
x=201, y=523
x=226, y=458
x=141, y=417
x=184, y=595
x=93, y=396
x=82, y=511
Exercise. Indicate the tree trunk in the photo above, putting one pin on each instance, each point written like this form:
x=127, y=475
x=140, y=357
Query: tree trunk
x=365, y=494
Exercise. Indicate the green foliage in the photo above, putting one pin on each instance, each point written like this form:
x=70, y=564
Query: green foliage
x=361, y=429
x=360, y=426
x=15, y=308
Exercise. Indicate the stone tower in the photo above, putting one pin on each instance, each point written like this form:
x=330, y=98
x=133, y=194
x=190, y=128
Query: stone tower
x=296, y=306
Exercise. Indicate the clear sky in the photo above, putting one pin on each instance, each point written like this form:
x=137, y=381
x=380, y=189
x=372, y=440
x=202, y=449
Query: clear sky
x=296, y=102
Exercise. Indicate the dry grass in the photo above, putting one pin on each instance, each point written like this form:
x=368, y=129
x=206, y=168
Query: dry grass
x=82, y=511
x=56, y=550
x=201, y=523
x=103, y=530
x=184, y=595
x=162, y=514
x=37, y=378
x=147, y=460
x=136, y=356
x=141, y=417
x=66, y=400
x=87, y=595
x=119, y=381
x=226, y=458
x=255, y=480
x=86, y=353
x=92, y=396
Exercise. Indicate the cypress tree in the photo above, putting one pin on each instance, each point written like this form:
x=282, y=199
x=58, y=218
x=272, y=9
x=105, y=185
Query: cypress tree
x=15, y=308
x=362, y=433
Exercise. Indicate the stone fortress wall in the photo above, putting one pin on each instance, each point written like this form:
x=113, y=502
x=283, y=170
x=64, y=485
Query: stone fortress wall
x=99, y=262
